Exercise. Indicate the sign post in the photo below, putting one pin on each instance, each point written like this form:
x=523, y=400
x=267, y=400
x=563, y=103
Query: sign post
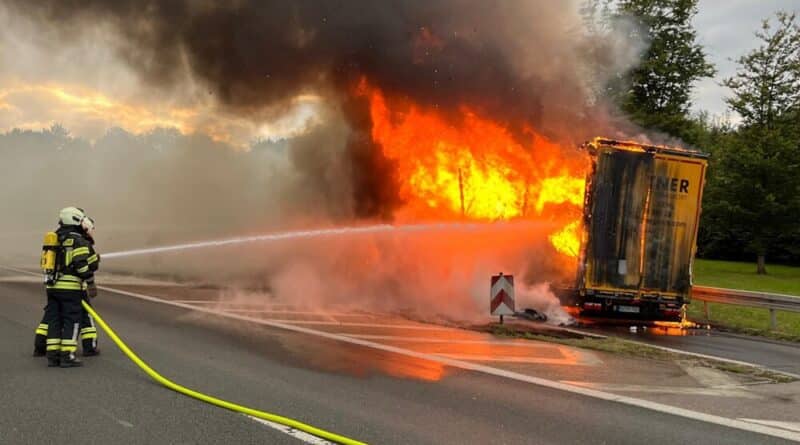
x=501, y=296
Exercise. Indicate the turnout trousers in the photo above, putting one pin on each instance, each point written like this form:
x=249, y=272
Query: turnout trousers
x=63, y=313
x=88, y=333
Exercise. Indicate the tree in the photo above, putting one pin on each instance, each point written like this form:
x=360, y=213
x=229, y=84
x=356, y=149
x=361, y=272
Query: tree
x=657, y=93
x=757, y=185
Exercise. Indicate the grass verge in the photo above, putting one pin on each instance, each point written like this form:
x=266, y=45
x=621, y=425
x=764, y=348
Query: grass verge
x=735, y=275
x=747, y=320
x=743, y=319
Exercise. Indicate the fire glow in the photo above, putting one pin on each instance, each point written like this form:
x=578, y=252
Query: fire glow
x=476, y=169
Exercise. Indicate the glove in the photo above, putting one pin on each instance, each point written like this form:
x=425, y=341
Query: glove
x=91, y=289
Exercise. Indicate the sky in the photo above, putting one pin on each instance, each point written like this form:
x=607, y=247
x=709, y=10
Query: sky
x=726, y=29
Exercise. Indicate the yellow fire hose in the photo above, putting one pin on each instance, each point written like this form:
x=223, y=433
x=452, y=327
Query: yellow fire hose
x=213, y=400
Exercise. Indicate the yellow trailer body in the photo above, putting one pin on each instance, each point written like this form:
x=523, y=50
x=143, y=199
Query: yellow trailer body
x=641, y=217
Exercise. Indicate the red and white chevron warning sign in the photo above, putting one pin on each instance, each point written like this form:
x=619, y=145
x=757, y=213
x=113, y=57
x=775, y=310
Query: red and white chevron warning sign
x=502, y=295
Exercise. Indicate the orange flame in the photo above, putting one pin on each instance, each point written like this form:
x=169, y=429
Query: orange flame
x=568, y=239
x=475, y=167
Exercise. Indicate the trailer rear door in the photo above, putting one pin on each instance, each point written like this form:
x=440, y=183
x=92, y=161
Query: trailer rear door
x=673, y=211
x=616, y=207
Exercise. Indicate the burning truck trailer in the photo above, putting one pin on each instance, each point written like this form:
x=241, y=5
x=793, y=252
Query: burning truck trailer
x=640, y=220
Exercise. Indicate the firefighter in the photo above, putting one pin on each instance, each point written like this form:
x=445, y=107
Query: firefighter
x=88, y=329
x=88, y=332
x=76, y=263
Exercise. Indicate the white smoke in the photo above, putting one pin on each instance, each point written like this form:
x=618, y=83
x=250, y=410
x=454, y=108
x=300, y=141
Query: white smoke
x=540, y=297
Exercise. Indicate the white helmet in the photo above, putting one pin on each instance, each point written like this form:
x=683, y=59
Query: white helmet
x=88, y=226
x=71, y=216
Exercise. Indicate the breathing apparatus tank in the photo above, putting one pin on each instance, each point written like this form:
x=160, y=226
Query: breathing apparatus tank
x=48, y=260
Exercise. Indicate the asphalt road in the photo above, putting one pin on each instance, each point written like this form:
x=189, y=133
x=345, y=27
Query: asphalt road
x=333, y=385
x=774, y=354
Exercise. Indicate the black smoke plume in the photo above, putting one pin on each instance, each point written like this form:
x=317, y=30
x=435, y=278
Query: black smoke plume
x=525, y=63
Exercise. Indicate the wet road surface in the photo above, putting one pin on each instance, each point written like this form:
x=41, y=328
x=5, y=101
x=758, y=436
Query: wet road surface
x=369, y=394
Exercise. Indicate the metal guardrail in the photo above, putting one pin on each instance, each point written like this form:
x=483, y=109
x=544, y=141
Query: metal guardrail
x=773, y=302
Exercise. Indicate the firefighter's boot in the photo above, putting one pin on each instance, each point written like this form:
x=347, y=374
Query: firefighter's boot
x=40, y=345
x=68, y=360
x=91, y=352
x=53, y=359
x=40, y=341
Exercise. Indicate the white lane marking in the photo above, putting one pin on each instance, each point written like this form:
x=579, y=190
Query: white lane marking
x=697, y=391
x=572, y=357
x=708, y=377
x=20, y=279
x=197, y=301
x=513, y=359
x=713, y=357
x=501, y=343
x=122, y=422
x=693, y=354
x=297, y=434
x=273, y=308
x=552, y=384
x=233, y=303
x=293, y=312
x=338, y=323
x=125, y=280
x=791, y=426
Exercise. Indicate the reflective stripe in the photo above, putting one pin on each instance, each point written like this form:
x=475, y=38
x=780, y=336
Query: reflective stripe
x=93, y=328
x=60, y=285
x=67, y=257
x=53, y=341
x=94, y=340
x=42, y=325
x=68, y=242
x=88, y=329
x=88, y=335
x=80, y=251
x=83, y=269
x=53, y=347
x=69, y=342
x=41, y=332
x=92, y=259
x=68, y=282
x=76, y=327
x=68, y=348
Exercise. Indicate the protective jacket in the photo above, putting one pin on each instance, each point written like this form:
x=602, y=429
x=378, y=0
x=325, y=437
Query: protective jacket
x=76, y=262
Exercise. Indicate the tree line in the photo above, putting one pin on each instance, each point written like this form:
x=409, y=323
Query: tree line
x=751, y=205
